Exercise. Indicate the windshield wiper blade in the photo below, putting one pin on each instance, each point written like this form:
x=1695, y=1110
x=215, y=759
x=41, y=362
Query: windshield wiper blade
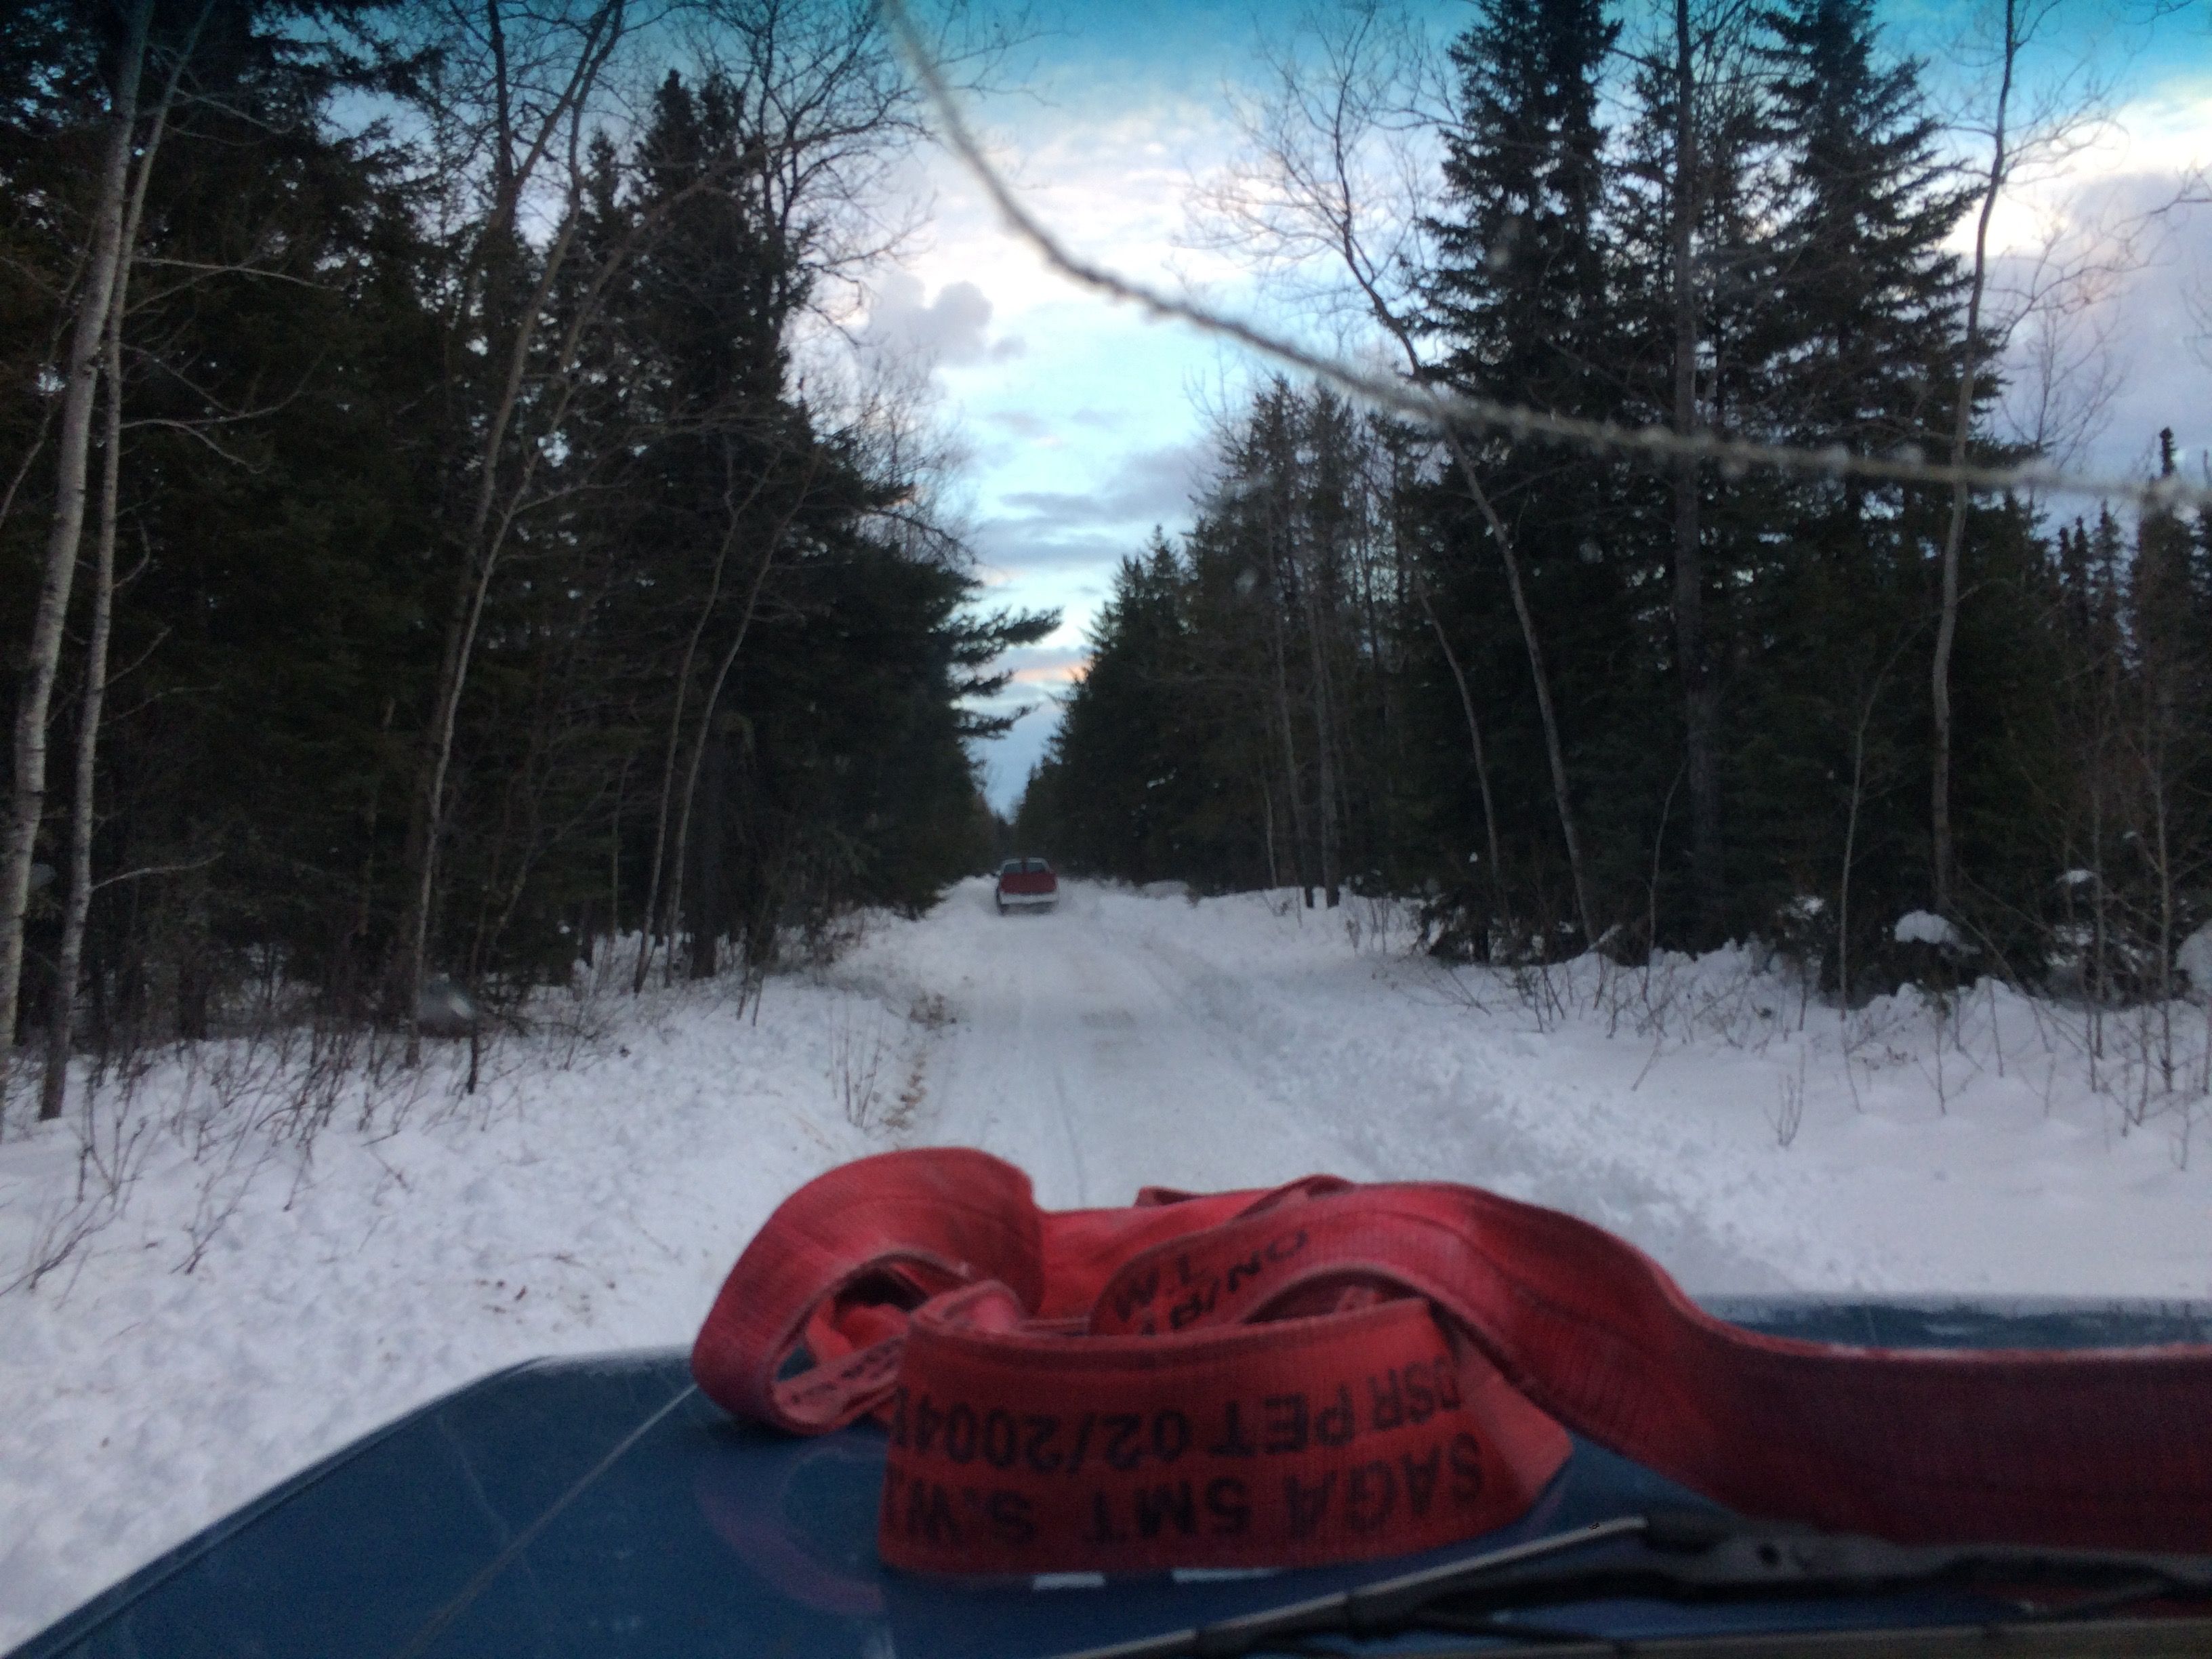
x=1352, y=1610
x=1683, y=1557
x=2113, y=1639
x=1719, y=1555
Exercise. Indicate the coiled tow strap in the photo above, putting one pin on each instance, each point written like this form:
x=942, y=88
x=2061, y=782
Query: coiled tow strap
x=1331, y=1372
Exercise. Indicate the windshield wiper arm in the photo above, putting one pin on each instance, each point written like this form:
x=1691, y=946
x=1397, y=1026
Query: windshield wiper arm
x=1684, y=1557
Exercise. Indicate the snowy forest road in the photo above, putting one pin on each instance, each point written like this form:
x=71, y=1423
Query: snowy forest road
x=1094, y=1046
x=1081, y=1055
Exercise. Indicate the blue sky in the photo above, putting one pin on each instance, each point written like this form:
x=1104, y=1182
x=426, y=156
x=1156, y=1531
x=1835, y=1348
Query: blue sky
x=1083, y=425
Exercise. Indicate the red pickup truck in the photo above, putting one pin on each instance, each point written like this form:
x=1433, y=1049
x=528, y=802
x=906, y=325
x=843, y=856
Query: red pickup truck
x=1027, y=885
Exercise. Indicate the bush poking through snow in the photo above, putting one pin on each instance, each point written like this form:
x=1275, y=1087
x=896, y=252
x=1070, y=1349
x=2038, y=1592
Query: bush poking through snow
x=857, y=1051
x=1788, y=1114
x=226, y=1115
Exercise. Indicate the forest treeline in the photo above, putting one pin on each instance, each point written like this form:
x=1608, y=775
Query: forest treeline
x=422, y=557
x=1574, y=698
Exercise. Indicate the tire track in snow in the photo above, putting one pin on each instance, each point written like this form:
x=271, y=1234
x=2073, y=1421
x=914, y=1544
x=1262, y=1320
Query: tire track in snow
x=1079, y=1056
x=1101, y=1054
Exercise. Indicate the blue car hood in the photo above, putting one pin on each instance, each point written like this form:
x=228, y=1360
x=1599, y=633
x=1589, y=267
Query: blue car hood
x=603, y=1507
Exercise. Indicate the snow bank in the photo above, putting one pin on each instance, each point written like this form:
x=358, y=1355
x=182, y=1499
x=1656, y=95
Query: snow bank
x=2195, y=959
x=1968, y=1145
x=1925, y=927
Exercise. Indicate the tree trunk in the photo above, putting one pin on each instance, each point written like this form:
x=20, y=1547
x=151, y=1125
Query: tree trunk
x=708, y=889
x=675, y=736
x=1268, y=824
x=1554, y=754
x=1699, y=696
x=614, y=867
x=1474, y=741
x=480, y=557
x=486, y=532
x=1299, y=849
x=1324, y=749
x=43, y=660
x=54, y=1085
x=62, y=1020
x=714, y=699
x=1585, y=913
x=1947, y=627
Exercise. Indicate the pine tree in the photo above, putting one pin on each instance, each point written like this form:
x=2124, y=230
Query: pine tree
x=1852, y=340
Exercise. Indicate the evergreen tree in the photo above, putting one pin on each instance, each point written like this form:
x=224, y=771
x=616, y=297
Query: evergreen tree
x=1691, y=204
x=1867, y=299
x=1520, y=288
x=1521, y=300
x=1857, y=346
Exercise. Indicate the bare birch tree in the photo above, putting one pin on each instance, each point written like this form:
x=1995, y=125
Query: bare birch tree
x=733, y=514
x=77, y=904
x=825, y=106
x=95, y=299
x=764, y=562
x=569, y=55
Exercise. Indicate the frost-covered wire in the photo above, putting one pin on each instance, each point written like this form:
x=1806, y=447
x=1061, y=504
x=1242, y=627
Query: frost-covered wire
x=1445, y=408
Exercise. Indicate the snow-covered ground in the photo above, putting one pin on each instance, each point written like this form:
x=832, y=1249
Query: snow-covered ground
x=593, y=1192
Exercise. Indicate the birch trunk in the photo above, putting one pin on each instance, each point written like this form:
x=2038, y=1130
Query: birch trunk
x=676, y=735
x=53, y=1085
x=1555, y=754
x=1474, y=741
x=1947, y=627
x=1562, y=801
x=488, y=529
x=707, y=717
x=1698, y=690
x=1276, y=654
x=53, y=1088
x=1324, y=721
x=27, y=808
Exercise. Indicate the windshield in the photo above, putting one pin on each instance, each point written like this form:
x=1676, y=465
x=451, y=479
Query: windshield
x=611, y=608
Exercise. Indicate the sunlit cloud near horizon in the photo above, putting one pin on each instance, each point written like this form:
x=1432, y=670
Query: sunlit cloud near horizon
x=1084, y=425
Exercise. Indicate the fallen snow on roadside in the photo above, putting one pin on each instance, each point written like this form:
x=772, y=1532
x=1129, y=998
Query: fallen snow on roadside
x=591, y=1195
x=1721, y=1118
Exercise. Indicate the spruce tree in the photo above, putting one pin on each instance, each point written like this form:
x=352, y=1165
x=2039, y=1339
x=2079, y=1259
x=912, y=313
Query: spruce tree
x=1857, y=341
x=1866, y=297
x=1691, y=207
x=1519, y=291
x=1520, y=301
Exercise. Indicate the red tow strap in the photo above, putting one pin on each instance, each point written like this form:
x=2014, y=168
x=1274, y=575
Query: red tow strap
x=1328, y=1373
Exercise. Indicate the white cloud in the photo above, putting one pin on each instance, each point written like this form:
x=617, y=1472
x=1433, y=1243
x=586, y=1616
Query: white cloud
x=951, y=329
x=2109, y=215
